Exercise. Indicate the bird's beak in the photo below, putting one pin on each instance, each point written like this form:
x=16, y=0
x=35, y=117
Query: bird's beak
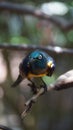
x=50, y=64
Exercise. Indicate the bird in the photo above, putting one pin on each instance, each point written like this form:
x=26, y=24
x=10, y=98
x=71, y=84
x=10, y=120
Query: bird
x=35, y=65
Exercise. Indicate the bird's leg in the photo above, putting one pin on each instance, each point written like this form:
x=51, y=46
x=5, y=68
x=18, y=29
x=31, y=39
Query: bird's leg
x=33, y=86
x=36, y=84
x=32, y=100
x=44, y=86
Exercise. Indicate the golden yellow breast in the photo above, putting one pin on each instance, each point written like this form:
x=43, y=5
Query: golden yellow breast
x=33, y=75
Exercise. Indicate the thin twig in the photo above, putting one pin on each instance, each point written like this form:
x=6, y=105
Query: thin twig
x=30, y=102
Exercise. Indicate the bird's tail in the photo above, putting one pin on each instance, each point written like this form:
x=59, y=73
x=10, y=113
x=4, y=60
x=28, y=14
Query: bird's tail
x=18, y=80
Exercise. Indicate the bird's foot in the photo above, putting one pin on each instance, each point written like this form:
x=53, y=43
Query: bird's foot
x=33, y=87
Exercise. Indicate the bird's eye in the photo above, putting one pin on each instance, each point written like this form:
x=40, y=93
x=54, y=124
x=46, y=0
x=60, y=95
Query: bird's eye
x=40, y=57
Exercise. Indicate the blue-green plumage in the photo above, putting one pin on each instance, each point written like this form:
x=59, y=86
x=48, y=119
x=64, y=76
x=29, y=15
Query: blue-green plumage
x=36, y=64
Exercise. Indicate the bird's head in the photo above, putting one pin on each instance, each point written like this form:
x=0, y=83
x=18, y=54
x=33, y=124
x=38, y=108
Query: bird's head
x=41, y=63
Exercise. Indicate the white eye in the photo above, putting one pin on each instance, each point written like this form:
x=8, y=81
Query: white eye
x=40, y=57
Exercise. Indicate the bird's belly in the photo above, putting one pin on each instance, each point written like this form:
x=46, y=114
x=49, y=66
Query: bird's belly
x=35, y=75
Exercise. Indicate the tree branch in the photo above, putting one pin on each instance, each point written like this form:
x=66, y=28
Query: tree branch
x=63, y=82
x=61, y=22
x=25, y=47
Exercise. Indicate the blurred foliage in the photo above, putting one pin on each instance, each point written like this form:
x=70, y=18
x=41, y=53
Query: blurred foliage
x=54, y=110
x=16, y=28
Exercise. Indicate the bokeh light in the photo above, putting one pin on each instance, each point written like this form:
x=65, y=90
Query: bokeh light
x=54, y=8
